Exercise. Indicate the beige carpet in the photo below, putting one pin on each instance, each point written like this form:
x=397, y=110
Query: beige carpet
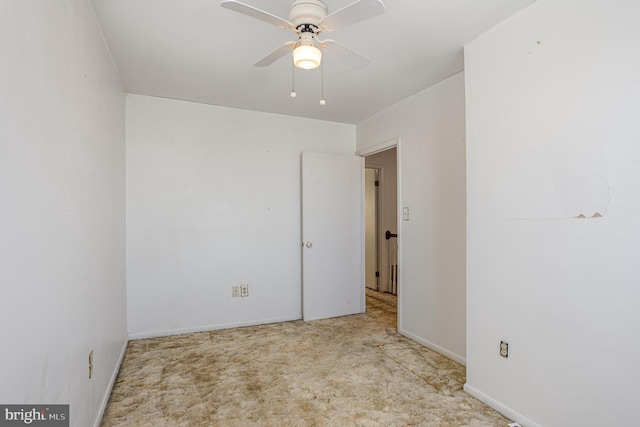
x=347, y=371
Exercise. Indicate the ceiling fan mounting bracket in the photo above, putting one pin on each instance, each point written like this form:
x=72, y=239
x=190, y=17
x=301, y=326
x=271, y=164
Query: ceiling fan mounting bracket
x=307, y=12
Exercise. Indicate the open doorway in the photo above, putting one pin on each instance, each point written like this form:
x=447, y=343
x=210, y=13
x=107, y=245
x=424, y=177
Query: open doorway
x=371, y=216
x=381, y=243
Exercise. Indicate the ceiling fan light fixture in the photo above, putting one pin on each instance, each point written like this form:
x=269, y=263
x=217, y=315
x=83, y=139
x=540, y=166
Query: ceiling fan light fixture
x=307, y=57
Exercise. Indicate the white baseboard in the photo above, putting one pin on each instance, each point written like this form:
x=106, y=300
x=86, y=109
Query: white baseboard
x=207, y=328
x=503, y=409
x=112, y=381
x=434, y=347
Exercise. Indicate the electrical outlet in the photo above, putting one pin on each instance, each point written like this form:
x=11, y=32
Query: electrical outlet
x=235, y=291
x=504, y=349
x=244, y=290
x=90, y=363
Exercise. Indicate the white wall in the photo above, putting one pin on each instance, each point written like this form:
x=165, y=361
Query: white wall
x=213, y=200
x=62, y=244
x=431, y=129
x=553, y=133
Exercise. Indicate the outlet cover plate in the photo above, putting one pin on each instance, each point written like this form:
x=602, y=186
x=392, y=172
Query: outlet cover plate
x=504, y=349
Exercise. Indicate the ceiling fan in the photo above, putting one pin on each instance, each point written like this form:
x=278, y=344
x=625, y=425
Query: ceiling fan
x=308, y=19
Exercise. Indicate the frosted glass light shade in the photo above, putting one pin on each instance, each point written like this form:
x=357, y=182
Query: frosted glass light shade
x=307, y=57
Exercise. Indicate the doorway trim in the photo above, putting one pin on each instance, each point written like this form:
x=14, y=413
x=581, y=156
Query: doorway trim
x=367, y=151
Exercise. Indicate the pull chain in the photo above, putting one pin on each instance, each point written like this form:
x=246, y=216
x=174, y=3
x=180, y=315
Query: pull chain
x=322, y=101
x=293, y=85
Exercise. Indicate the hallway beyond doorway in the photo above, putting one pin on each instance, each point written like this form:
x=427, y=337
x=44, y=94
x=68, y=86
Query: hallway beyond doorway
x=383, y=307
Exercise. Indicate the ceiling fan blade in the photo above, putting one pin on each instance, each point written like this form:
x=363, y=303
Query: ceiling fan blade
x=245, y=9
x=276, y=54
x=351, y=14
x=350, y=56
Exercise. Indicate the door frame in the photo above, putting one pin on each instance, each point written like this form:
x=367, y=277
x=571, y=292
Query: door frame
x=367, y=151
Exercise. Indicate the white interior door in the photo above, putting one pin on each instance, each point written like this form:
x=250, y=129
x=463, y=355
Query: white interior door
x=333, y=235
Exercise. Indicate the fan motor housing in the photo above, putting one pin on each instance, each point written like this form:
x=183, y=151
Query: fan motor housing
x=307, y=12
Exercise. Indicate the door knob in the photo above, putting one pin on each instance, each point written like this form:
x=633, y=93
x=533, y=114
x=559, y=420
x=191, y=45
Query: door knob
x=308, y=244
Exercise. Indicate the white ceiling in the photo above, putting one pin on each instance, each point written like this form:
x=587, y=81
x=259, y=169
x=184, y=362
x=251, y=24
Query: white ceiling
x=198, y=51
